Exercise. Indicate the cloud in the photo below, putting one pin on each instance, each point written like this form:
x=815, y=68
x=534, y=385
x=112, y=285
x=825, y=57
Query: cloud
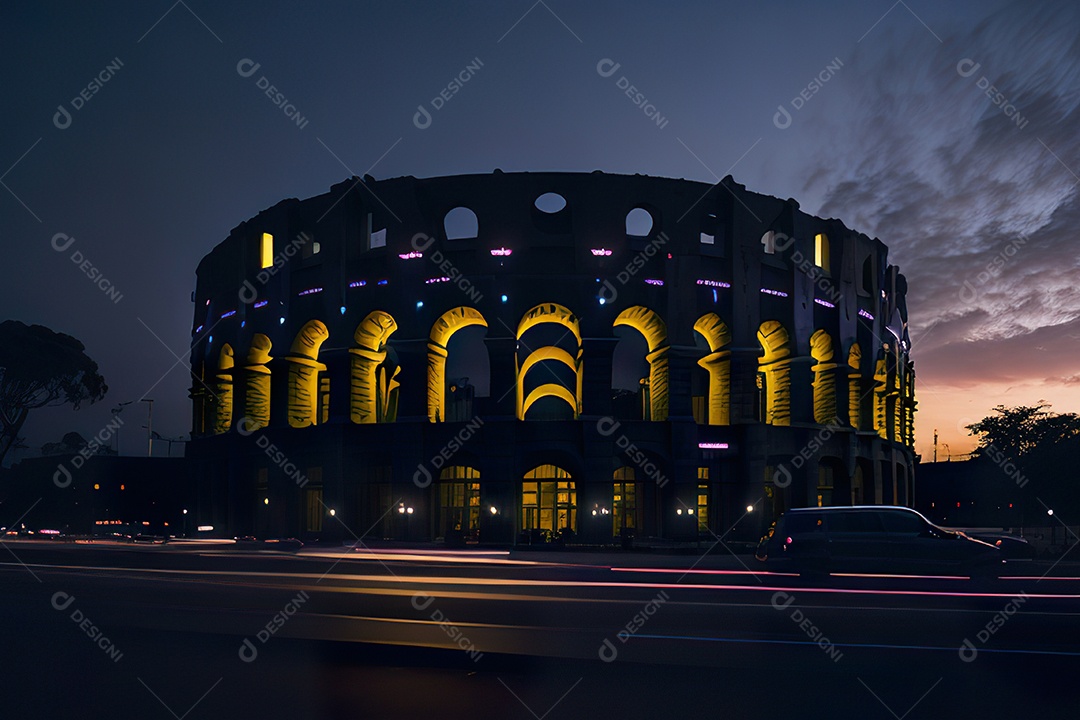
x=979, y=209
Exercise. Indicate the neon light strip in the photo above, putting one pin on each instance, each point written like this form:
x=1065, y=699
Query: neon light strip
x=502, y=252
x=228, y=314
x=712, y=446
x=310, y=291
x=410, y=255
x=714, y=283
x=382, y=282
x=777, y=293
x=600, y=252
x=358, y=283
x=653, y=281
x=824, y=303
x=863, y=313
x=429, y=281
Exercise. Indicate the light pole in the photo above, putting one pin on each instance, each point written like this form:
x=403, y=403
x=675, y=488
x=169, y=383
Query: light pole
x=149, y=427
x=116, y=414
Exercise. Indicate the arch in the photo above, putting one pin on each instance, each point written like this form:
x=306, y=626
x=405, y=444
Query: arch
x=461, y=224
x=257, y=383
x=652, y=328
x=718, y=364
x=855, y=386
x=304, y=369
x=821, y=251
x=824, y=382
x=374, y=385
x=444, y=328
x=548, y=501
x=559, y=315
x=774, y=373
x=549, y=390
x=223, y=388
x=639, y=222
x=549, y=313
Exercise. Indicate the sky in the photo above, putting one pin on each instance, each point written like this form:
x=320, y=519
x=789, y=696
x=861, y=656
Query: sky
x=137, y=136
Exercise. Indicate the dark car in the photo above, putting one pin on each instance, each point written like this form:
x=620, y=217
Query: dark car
x=872, y=539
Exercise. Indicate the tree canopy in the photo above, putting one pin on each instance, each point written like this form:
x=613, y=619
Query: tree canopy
x=41, y=368
x=1020, y=430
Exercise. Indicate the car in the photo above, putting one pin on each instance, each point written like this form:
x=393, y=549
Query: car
x=872, y=539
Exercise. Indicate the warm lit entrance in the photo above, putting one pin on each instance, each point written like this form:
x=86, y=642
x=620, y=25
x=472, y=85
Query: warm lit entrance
x=548, y=502
x=459, y=503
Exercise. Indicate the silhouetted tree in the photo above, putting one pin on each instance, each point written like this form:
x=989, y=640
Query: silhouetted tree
x=1020, y=430
x=40, y=368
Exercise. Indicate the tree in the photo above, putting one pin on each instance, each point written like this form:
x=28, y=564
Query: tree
x=41, y=368
x=1018, y=431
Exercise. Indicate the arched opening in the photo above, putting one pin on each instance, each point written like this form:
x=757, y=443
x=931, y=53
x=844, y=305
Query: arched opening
x=855, y=414
x=459, y=504
x=717, y=363
x=774, y=374
x=257, y=383
x=627, y=504
x=440, y=389
x=374, y=371
x=461, y=224
x=821, y=251
x=824, y=383
x=308, y=391
x=223, y=389
x=655, y=388
x=639, y=222
x=768, y=242
x=554, y=353
x=548, y=504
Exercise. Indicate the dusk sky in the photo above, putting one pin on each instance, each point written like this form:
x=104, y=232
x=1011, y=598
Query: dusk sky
x=974, y=190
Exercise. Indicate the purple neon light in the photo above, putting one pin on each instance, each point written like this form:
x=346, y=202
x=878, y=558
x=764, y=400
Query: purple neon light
x=824, y=303
x=411, y=255
x=712, y=445
x=777, y=293
x=863, y=313
x=714, y=283
x=358, y=283
x=653, y=281
x=600, y=252
x=310, y=291
x=430, y=281
x=228, y=314
x=502, y=252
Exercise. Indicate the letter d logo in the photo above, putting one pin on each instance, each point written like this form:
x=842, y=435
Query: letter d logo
x=248, y=652
x=422, y=118
x=62, y=601
x=608, y=651
x=62, y=476
x=607, y=67
x=422, y=478
x=968, y=293
x=782, y=477
x=968, y=652
x=782, y=118
x=248, y=293
x=246, y=68
x=607, y=293
x=781, y=600
x=422, y=601
x=62, y=118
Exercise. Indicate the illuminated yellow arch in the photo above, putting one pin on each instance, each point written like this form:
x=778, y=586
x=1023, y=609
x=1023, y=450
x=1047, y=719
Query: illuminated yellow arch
x=549, y=313
x=304, y=369
x=441, y=332
x=550, y=390
x=223, y=388
x=718, y=364
x=855, y=386
x=559, y=315
x=652, y=328
x=374, y=385
x=824, y=383
x=775, y=365
x=257, y=383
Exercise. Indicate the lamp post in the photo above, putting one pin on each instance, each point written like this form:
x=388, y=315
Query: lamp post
x=149, y=427
x=116, y=414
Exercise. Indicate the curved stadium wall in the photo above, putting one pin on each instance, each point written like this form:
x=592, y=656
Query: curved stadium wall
x=544, y=357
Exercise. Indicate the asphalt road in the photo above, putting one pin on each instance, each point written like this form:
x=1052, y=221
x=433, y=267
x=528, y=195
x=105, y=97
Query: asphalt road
x=215, y=631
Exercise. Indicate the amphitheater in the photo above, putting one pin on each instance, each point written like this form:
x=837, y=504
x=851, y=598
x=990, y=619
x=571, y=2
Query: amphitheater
x=544, y=357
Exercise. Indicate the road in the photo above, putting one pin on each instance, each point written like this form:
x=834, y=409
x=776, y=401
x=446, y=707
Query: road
x=214, y=631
